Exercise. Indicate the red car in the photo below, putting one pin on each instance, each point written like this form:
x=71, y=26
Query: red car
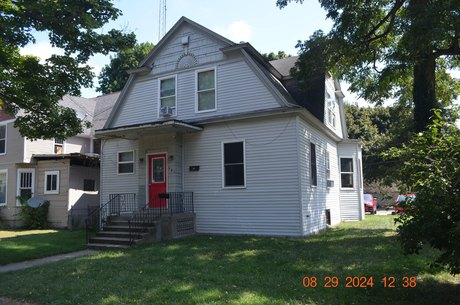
x=402, y=198
x=370, y=203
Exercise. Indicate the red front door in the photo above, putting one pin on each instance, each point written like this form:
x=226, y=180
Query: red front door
x=157, y=180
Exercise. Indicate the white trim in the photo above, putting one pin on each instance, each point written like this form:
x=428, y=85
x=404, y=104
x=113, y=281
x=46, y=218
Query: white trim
x=125, y=162
x=5, y=171
x=6, y=137
x=51, y=173
x=353, y=174
x=159, y=93
x=223, y=164
x=18, y=181
x=214, y=68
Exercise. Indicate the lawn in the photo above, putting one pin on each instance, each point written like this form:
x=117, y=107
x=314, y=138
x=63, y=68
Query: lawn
x=244, y=270
x=16, y=246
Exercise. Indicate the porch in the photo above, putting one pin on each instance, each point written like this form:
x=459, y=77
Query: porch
x=122, y=222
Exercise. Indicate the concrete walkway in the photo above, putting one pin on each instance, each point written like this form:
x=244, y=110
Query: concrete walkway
x=43, y=261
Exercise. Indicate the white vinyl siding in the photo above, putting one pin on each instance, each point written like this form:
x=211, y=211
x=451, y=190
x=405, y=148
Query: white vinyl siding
x=51, y=182
x=315, y=200
x=111, y=181
x=351, y=199
x=206, y=97
x=3, y=186
x=237, y=85
x=269, y=205
x=3, y=137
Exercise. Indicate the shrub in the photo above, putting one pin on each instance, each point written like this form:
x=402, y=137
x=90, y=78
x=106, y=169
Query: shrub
x=431, y=169
x=34, y=218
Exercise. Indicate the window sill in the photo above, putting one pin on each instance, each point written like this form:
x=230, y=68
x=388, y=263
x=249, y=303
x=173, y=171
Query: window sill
x=233, y=187
x=51, y=193
x=206, y=111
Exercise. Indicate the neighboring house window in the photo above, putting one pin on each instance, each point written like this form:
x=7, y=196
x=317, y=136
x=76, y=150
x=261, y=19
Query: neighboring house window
x=89, y=185
x=58, y=146
x=126, y=162
x=52, y=182
x=168, y=92
x=2, y=139
x=25, y=183
x=330, y=110
x=328, y=166
x=233, y=164
x=346, y=172
x=206, y=90
x=3, y=186
x=313, y=169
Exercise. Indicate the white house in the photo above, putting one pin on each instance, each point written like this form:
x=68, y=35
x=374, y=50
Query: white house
x=206, y=115
x=64, y=172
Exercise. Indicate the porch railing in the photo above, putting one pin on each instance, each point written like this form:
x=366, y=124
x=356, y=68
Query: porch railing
x=166, y=204
x=117, y=204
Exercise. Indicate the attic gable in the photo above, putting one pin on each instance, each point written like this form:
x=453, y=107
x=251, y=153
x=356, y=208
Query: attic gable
x=187, y=44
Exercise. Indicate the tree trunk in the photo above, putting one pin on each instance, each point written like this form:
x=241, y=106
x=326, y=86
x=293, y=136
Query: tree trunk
x=424, y=92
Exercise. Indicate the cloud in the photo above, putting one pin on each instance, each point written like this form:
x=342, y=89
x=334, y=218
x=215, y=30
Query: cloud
x=42, y=49
x=237, y=31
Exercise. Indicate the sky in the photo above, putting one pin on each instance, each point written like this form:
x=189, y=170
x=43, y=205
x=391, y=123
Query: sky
x=259, y=22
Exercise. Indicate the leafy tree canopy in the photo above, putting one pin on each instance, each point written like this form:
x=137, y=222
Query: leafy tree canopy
x=431, y=168
x=113, y=76
x=272, y=56
x=389, y=49
x=33, y=88
x=380, y=128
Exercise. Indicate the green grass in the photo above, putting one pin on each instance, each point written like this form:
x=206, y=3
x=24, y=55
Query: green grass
x=241, y=270
x=16, y=246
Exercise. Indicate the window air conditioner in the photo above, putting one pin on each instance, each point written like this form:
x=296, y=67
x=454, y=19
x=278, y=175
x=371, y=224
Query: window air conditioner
x=166, y=111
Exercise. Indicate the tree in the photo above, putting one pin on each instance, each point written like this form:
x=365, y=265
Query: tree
x=35, y=87
x=431, y=168
x=385, y=48
x=113, y=76
x=380, y=128
x=272, y=56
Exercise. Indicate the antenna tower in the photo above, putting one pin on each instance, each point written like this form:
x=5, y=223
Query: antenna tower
x=162, y=19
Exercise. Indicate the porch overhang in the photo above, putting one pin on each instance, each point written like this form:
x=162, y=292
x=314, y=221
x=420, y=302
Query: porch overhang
x=139, y=130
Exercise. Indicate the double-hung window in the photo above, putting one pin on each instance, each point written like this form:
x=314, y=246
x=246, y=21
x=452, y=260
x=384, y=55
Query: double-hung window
x=206, y=90
x=346, y=172
x=51, y=182
x=313, y=169
x=233, y=164
x=2, y=139
x=58, y=146
x=126, y=162
x=328, y=166
x=330, y=110
x=3, y=186
x=25, y=183
x=168, y=92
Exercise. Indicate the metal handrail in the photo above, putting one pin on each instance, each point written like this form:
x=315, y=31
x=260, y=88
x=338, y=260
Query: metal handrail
x=166, y=204
x=97, y=217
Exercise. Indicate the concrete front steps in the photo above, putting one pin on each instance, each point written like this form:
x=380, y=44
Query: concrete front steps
x=115, y=234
